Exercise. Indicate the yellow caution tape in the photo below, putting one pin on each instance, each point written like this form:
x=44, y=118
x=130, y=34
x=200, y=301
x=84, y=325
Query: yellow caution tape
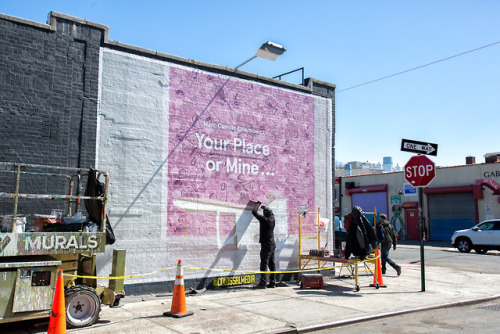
x=220, y=270
x=118, y=277
x=260, y=272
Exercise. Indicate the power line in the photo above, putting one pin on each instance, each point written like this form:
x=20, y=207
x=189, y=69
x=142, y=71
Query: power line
x=419, y=67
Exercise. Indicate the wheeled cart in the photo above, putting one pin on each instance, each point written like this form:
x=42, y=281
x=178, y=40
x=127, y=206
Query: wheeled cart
x=309, y=261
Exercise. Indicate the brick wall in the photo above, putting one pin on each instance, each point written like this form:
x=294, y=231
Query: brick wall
x=48, y=98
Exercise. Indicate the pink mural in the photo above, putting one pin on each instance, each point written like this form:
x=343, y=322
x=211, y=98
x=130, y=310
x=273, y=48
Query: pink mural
x=232, y=141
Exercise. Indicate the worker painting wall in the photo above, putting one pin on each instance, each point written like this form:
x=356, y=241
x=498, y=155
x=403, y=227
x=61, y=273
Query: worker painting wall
x=187, y=150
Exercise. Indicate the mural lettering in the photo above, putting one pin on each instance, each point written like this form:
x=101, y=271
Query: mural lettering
x=238, y=146
x=4, y=242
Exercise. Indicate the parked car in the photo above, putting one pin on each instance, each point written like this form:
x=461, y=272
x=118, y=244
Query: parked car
x=483, y=237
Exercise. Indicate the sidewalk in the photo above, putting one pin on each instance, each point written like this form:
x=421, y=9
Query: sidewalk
x=294, y=310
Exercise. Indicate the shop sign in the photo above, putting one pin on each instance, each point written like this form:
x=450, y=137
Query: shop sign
x=14, y=244
x=409, y=190
x=396, y=200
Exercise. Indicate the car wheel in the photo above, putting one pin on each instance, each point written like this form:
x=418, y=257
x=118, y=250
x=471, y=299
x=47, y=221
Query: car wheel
x=480, y=250
x=464, y=245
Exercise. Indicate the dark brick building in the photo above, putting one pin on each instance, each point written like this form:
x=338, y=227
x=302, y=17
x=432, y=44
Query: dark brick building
x=48, y=89
x=48, y=93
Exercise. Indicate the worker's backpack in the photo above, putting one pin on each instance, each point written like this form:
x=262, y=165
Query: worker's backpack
x=387, y=232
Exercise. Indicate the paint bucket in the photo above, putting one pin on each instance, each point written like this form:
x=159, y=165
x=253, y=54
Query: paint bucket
x=20, y=224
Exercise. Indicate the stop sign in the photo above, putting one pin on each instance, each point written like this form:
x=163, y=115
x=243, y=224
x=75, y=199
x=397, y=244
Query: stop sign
x=420, y=171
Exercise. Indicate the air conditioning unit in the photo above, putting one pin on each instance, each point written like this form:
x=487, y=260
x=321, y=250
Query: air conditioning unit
x=350, y=185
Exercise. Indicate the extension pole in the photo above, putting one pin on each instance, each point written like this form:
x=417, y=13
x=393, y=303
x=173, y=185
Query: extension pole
x=341, y=219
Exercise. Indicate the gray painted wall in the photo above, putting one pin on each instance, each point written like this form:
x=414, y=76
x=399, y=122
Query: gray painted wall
x=135, y=145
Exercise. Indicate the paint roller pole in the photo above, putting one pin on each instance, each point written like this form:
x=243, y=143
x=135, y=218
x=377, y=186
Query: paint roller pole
x=340, y=216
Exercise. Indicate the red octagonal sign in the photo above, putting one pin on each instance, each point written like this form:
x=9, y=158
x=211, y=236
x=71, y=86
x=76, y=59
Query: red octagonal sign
x=420, y=171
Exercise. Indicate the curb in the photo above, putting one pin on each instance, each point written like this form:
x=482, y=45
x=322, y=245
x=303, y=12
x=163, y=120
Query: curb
x=388, y=314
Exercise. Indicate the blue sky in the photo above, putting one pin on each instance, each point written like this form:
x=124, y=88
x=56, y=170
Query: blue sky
x=454, y=103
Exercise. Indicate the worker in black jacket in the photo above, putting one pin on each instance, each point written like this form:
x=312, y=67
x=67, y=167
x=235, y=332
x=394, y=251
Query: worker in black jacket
x=267, y=246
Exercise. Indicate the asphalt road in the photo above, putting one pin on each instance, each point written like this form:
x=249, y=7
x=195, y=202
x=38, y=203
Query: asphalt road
x=442, y=254
x=479, y=318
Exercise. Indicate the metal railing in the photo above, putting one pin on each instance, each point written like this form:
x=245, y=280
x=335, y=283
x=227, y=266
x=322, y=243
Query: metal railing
x=71, y=174
x=287, y=73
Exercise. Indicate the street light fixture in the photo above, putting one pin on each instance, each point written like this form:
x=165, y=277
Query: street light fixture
x=268, y=50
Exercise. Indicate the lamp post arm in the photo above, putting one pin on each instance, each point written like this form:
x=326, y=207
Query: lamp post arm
x=247, y=61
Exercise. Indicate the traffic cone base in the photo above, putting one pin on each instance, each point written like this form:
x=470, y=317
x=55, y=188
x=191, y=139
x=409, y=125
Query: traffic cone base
x=178, y=309
x=57, y=322
x=173, y=315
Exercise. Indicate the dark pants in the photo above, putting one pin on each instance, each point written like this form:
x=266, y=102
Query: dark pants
x=267, y=260
x=385, y=257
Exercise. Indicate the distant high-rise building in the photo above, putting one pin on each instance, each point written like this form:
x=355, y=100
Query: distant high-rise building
x=347, y=168
x=387, y=164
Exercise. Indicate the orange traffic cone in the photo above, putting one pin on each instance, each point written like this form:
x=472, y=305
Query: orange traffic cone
x=178, y=309
x=377, y=278
x=57, y=323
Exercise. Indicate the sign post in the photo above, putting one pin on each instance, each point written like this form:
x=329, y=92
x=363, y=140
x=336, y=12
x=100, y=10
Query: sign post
x=421, y=237
x=419, y=172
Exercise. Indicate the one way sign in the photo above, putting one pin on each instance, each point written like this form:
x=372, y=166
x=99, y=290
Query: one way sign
x=419, y=147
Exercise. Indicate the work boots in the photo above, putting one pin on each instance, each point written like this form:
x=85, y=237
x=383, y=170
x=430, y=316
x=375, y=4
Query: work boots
x=398, y=270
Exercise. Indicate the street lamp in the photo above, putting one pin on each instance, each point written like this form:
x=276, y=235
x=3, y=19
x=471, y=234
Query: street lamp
x=268, y=50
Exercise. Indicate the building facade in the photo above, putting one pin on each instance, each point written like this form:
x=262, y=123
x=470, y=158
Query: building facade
x=187, y=145
x=459, y=197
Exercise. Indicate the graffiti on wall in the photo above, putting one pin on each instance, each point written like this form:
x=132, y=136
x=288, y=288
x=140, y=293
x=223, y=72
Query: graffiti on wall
x=230, y=142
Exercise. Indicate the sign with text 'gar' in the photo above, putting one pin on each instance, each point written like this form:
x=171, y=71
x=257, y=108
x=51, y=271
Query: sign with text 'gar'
x=419, y=147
